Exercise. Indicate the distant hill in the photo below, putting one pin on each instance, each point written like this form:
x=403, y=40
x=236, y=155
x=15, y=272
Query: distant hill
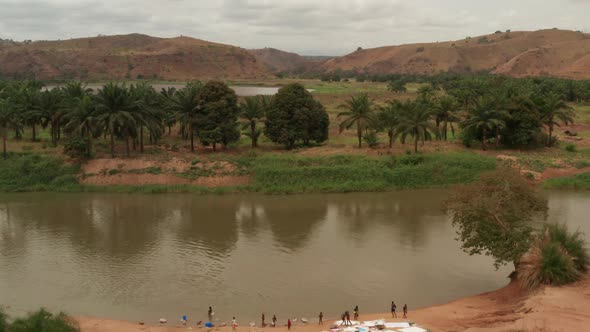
x=278, y=61
x=127, y=56
x=540, y=53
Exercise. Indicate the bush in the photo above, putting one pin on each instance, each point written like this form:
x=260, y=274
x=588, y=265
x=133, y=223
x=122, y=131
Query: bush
x=556, y=257
x=420, y=50
x=36, y=172
x=371, y=139
x=43, y=321
x=571, y=148
x=77, y=148
x=577, y=182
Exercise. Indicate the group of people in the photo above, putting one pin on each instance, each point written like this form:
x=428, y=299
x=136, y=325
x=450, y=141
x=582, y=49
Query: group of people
x=394, y=308
x=345, y=317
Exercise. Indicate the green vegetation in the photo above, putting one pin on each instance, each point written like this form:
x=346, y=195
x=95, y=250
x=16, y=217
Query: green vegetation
x=557, y=257
x=295, y=174
x=295, y=117
x=494, y=215
x=359, y=113
x=32, y=172
x=39, y=321
x=577, y=182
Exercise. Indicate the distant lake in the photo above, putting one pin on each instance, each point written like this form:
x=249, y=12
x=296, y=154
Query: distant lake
x=242, y=91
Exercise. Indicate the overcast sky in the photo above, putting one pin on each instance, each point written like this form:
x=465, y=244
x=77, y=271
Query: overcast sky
x=310, y=27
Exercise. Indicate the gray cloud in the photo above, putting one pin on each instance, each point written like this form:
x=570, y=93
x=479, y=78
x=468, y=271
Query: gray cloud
x=330, y=27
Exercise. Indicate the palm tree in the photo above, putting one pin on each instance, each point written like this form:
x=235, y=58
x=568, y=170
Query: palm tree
x=80, y=119
x=252, y=110
x=485, y=116
x=389, y=117
x=415, y=122
x=51, y=108
x=555, y=111
x=28, y=100
x=147, y=112
x=360, y=112
x=114, y=107
x=445, y=109
x=186, y=106
x=7, y=119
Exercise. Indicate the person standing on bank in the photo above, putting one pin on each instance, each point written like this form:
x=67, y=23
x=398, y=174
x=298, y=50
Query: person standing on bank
x=263, y=323
x=356, y=312
x=393, y=307
x=321, y=321
x=274, y=320
x=405, y=311
x=210, y=314
x=289, y=324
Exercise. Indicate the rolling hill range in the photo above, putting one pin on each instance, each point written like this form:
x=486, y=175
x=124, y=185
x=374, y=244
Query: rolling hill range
x=127, y=56
x=552, y=52
x=539, y=53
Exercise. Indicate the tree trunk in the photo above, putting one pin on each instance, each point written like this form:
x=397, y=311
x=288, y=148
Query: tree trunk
x=438, y=133
x=4, y=134
x=483, y=139
x=452, y=130
x=192, y=134
x=359, y=132
x=446, y=130
x=550, y=134
x=390, y=133
x=127, y=144
x=34, y=133
x=253, y=133
x=169, y=130
x=141, y=139
x=112, y=143
x=416, y=144
x=214, y=147
x=497, y=138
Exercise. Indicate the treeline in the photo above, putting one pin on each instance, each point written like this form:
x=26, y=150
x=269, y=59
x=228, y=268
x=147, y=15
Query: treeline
x=490, y=110
x=39, y=321
x=139, y=115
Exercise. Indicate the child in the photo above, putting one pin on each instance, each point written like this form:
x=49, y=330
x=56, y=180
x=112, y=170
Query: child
x=289, y=324
x=274, y=320
x=321, y=318
x=393, y=307
x=405, y=311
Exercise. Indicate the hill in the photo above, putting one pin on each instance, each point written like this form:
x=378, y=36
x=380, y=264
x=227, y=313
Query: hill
x=540, y=53
x=127, y=57
x=278, y=61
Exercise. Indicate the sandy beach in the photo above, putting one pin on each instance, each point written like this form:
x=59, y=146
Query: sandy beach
x=510, y=308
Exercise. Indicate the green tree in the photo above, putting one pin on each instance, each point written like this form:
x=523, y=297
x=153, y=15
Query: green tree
x=397, y=86
x=389, y=118
x=115, y=107
x=147, y=112
x=186, y=107
x=415, y=122
x=359, y=113
x=445, y=108
x=486, y=118
x=80, y=119
x=219, y=121
x=554, y=112
x=294, y=116
x=7, y=119
x=494, y=215
x=252, y=111
x=51, y=108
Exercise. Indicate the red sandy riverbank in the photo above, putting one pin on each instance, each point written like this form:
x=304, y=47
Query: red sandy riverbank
x=508, y=309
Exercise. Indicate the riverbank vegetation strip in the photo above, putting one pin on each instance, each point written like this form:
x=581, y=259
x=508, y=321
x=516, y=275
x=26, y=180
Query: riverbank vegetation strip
x=577, y=182
x=270, y=174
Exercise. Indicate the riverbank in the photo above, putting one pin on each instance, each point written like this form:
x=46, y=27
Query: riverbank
x=564, y=308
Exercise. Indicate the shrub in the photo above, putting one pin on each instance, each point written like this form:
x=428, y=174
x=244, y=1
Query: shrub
x=420, y=49
x=371, y=139
x=77, y=148
x=44, y=321
x=35, y=172
x=556, y=257
x=571, y=148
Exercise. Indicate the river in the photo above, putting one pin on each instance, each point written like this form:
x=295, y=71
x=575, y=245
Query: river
x=142, y=257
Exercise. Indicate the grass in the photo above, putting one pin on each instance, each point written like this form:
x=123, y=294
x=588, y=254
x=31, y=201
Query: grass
x=294, y=174
x=35, y=172
x=577, y=182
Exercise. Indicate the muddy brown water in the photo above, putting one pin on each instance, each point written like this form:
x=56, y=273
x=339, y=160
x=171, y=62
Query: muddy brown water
x=143, y=257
